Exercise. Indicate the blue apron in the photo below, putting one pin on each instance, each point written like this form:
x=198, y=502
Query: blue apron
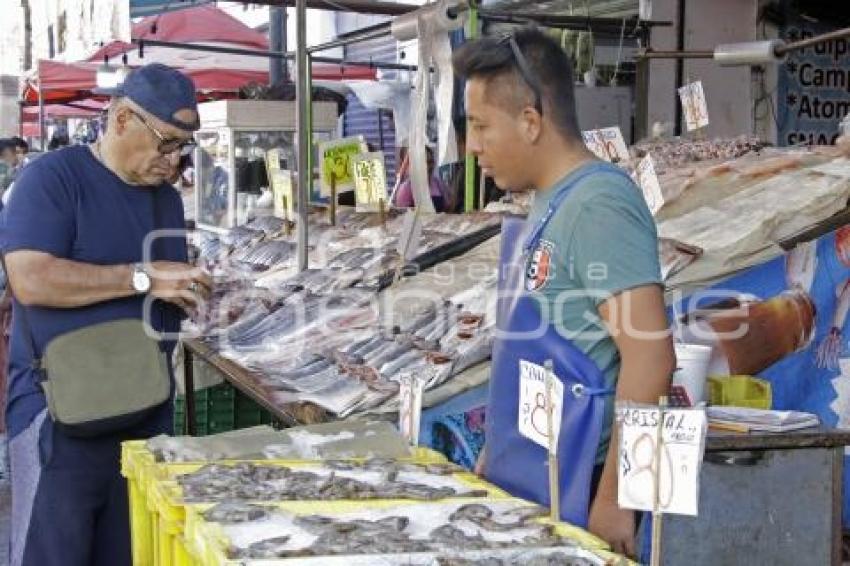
x=512, y=461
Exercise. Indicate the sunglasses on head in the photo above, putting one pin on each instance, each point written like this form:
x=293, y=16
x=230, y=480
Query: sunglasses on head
x=528, y=75
x=167, y=146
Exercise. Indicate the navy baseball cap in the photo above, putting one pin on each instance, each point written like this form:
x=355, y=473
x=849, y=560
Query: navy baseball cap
x=162, y=92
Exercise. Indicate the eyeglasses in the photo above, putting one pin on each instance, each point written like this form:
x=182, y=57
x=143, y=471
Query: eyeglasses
x=167, y=146
x=525, y=70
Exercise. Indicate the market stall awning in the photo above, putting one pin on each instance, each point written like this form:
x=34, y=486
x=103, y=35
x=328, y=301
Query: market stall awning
x=205, y=25
x=80, y=109
x=65, y=82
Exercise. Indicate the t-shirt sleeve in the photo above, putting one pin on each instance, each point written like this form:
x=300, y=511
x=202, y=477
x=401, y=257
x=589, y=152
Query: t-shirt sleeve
x=614, y=245
x=40, y=215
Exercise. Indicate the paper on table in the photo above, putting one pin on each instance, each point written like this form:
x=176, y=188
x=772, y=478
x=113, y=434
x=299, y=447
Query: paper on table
x=763, y=419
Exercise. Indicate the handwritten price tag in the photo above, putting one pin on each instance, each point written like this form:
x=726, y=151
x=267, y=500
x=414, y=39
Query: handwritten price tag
x=284, y=197
x=694, y=106
x=370, y=181
x=410, y=408
x=336, y=163
x=607, y=144
x=647, y=180
x=532, y=404
x=681, y=451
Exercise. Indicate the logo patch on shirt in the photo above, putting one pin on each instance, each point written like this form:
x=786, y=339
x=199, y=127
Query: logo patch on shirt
x=540, y=269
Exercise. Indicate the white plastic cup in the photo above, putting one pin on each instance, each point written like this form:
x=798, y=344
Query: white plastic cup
x=691, y=372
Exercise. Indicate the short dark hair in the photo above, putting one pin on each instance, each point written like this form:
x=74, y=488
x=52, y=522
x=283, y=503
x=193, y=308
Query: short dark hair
x=19, y=142
x=492, y=58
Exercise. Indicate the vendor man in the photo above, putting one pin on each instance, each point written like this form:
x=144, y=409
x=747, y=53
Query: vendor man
x=580, y=284
x=73, y=236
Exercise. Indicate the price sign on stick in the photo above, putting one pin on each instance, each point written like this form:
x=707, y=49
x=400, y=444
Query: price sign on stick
x=607, y=144
x=370, y=181
x=647, y=180
x=535, y=401
x=674, y=456
x=410, y=407
x=284, y=196
x=336, y=163
x=694, y=106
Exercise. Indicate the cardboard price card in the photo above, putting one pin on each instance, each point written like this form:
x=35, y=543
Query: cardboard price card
x=647, y=180
x=533, y=408
x=679, y=455
x=336, y=163
x=410, y=407
x=607, y=144
x=694, y=106
x=370, y=181
x=283, y=194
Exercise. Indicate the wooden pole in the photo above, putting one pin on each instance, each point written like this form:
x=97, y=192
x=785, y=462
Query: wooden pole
x=655, y=558
x=554, y=491
x=332, y=208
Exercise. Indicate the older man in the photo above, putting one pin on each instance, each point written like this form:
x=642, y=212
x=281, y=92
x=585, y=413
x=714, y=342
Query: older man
x=73, y=235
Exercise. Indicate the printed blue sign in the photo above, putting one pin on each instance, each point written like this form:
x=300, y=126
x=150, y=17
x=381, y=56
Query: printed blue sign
x=814, y=88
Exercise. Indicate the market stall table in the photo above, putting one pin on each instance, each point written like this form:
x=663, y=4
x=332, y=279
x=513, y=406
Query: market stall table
x=765, y=498
x=245, y=381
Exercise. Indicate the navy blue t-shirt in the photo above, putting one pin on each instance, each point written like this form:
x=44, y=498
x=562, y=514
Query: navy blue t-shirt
x=71, y=206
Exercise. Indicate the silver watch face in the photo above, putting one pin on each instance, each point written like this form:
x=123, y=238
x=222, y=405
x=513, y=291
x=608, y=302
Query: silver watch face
x=141, y=281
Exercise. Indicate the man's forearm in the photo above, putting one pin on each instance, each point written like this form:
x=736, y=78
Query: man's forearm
x=47, y=281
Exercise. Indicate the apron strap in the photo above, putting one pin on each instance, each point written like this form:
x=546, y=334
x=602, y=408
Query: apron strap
x=563, y=192
x=580, y=390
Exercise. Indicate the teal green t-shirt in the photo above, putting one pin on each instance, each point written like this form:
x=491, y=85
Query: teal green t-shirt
x=601, y=241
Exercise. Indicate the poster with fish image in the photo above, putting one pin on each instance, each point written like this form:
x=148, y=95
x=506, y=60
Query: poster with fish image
x=336, y=163
x=796, y=312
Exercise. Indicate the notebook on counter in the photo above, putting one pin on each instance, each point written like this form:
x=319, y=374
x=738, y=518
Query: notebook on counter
x=747, y=419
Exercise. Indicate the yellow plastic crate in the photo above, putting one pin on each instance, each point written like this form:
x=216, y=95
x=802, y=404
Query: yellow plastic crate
x=156, y=509
x=169, y=509
x=208, y=544
x=740, y=391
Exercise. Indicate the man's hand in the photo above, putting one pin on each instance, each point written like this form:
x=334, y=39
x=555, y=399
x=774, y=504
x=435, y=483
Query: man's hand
x=179, y=283
x=614, y=525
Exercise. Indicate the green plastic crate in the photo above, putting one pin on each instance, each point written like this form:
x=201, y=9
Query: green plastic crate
x=221, y=408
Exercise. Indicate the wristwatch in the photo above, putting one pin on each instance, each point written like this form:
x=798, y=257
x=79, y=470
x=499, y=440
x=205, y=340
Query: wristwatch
x=141, y=281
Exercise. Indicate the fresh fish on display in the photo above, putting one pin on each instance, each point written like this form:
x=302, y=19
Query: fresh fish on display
x=235, y=513
x=269, y=548
x=270, y=225
x=409, y=529
x=421, y=321
x=241, y=236
x=413, y=357
x=265, y=254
